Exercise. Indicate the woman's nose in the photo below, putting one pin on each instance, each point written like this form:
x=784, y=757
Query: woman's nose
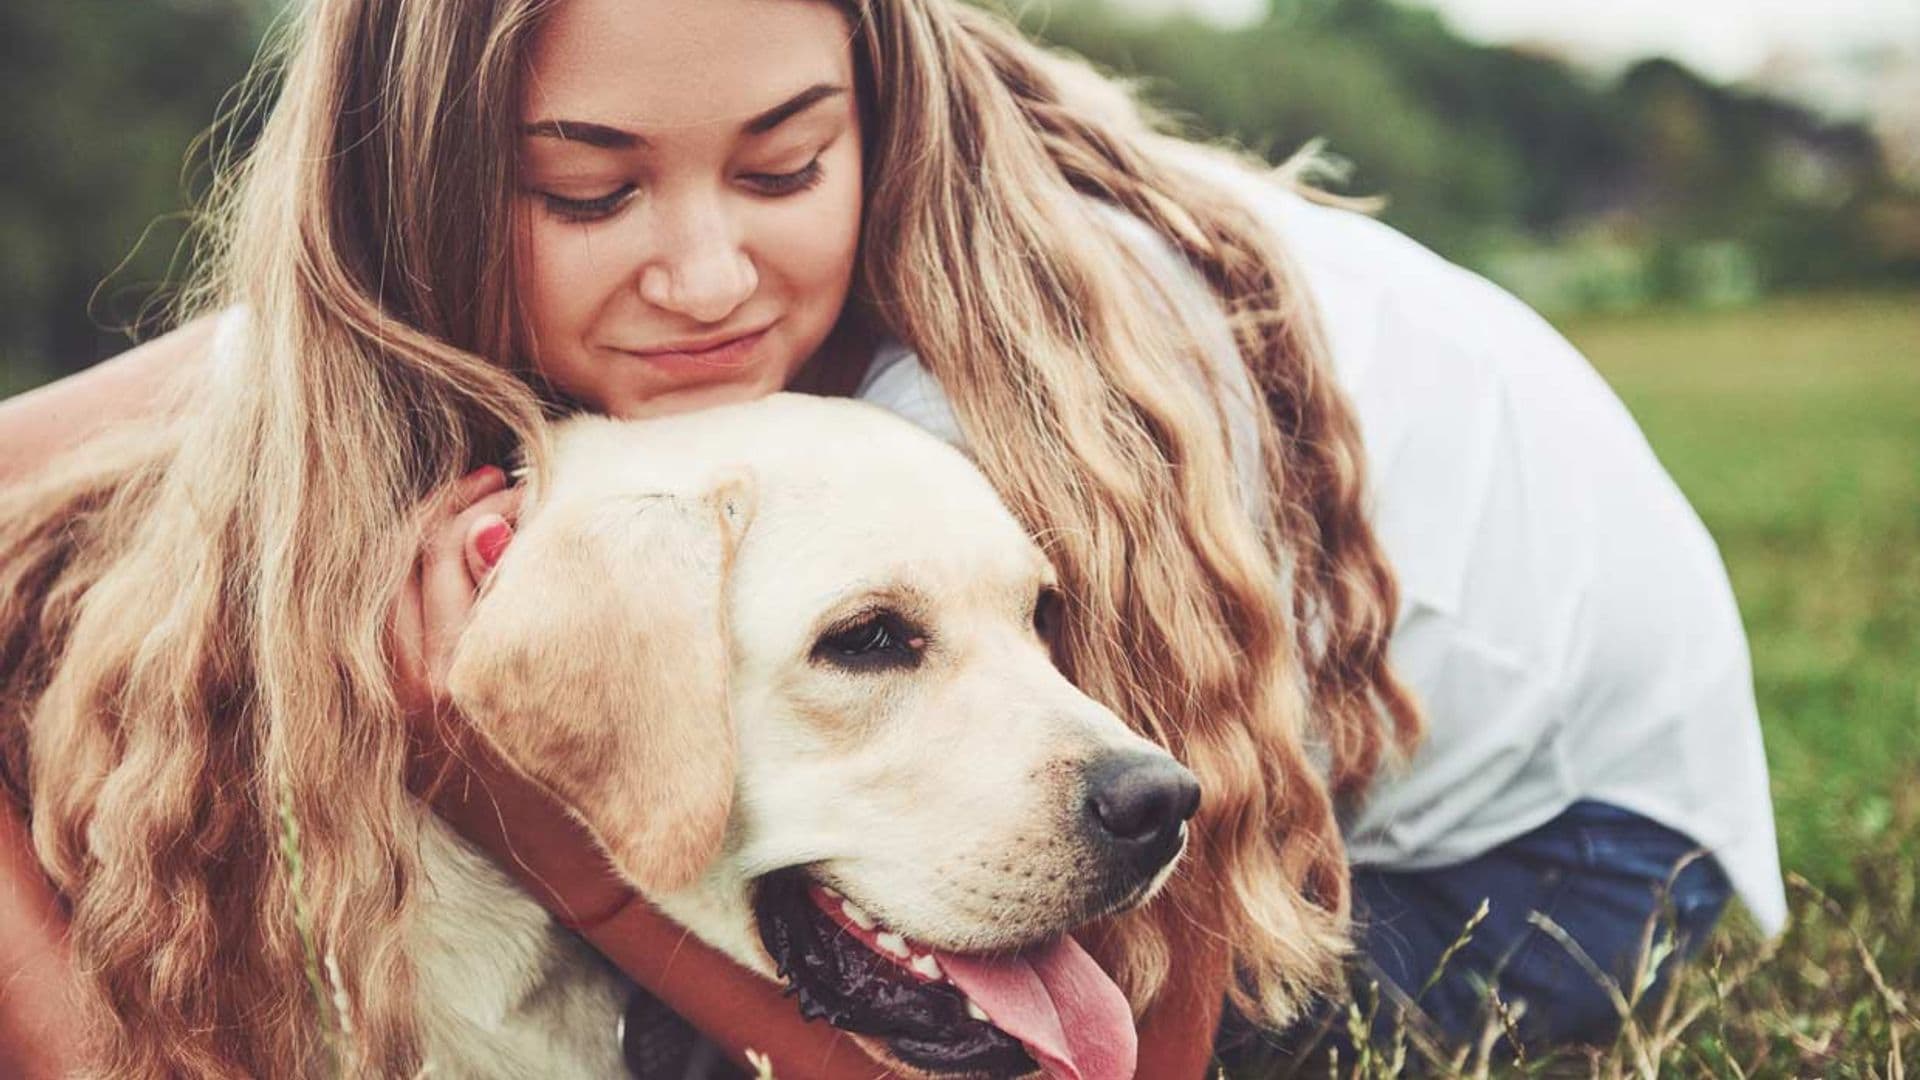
x=699, y=269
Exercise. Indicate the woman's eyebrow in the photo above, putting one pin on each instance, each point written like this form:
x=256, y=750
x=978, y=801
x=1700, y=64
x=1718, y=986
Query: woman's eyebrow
x=790, y=108
x=613, y=138
x=600, y=135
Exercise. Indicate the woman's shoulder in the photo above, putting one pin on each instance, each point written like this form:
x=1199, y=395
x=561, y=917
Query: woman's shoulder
x=41, y=424
x=897, y=382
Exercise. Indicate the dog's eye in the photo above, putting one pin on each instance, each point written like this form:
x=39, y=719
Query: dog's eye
x=880, y=640
x=1046, y=614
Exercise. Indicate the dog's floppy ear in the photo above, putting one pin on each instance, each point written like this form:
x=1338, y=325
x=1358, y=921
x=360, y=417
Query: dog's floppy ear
x=596, y=663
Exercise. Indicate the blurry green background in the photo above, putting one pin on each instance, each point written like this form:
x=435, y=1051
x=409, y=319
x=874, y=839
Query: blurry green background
x=1580, y=188
x=1744, y=269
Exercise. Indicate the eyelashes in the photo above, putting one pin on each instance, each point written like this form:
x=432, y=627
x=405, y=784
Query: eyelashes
x=588, y=209
x=804, y=178
x=770, y=185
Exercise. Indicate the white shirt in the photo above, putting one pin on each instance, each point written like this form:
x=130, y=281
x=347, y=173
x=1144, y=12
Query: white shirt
x=1565, y=619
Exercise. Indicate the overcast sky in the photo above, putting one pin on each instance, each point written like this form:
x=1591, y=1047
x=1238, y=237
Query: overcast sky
x=1726, y=39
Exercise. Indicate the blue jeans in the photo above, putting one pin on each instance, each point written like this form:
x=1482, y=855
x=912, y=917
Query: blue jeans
x=1600, y=873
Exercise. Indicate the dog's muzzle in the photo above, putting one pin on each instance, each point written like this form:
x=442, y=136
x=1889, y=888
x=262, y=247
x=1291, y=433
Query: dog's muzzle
x=1044, y=1004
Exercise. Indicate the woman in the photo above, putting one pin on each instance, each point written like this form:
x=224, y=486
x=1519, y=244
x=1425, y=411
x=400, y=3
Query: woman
x=461, y=216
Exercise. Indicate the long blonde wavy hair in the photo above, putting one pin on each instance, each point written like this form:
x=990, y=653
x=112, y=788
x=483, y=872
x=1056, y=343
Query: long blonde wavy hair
x=192, y=648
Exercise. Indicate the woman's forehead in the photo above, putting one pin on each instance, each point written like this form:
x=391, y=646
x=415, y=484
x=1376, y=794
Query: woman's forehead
x=658, y=68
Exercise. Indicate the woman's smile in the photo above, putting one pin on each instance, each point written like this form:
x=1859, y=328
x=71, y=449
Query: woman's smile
x=716, y=355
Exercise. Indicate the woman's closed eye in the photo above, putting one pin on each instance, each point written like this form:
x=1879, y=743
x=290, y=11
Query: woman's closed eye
x=771, y=185
x=787, y=183
x=593, y=209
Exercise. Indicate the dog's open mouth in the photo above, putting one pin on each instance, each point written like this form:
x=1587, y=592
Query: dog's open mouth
x=1048, y=1006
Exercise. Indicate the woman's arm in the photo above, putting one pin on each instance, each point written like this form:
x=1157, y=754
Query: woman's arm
x=38, y=425
x=557, y=859
x=38, y=1037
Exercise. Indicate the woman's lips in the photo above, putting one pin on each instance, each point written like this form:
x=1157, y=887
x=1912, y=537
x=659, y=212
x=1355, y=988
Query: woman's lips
x=729, y=355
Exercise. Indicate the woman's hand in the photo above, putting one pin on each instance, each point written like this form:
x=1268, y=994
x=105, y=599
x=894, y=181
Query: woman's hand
x=433, y=607
x=463, y=533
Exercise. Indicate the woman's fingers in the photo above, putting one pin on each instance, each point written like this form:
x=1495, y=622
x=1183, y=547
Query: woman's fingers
x=487, y=541
x=437, y=513
x=479, y=483
x=447, y=582
x=409, y=626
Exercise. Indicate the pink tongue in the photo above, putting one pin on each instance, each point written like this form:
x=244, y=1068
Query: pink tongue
x=1056, y=1000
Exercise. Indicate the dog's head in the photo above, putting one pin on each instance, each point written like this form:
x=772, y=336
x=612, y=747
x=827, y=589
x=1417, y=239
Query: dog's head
x=790, y=661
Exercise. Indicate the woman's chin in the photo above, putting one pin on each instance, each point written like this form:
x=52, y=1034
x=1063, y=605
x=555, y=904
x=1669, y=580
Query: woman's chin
x=690, y=397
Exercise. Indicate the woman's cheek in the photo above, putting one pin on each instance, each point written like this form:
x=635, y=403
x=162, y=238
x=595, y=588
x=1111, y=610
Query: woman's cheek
x=562, y=282
x=819, y=239
x=534, y=273
x=848, y=207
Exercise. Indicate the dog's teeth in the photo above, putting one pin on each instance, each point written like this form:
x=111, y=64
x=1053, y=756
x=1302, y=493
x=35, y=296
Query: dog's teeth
x=860, y=918
x=926, y=965
x=832, y=893
x=977, y=1012
x=893, y=943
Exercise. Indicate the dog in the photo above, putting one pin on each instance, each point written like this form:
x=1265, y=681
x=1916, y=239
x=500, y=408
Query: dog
x=790, y=660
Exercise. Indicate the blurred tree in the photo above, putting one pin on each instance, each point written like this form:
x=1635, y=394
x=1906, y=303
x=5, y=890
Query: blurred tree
x=1495, y=157
x=108, y=96
x=1484, y=151
x=1464, y=142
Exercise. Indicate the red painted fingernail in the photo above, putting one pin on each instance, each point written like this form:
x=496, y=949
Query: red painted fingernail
x=492, y=542
x=489, y=473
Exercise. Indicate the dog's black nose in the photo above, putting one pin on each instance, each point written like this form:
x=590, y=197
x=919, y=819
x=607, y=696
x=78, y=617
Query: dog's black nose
x=1139, y=801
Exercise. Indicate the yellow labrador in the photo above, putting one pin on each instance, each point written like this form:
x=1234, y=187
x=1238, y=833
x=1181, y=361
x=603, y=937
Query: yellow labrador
x=788, y=659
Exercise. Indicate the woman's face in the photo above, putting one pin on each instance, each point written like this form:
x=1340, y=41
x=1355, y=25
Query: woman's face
x=690, y=197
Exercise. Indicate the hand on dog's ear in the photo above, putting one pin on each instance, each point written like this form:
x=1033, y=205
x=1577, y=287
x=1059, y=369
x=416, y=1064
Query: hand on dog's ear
x=595, y=663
